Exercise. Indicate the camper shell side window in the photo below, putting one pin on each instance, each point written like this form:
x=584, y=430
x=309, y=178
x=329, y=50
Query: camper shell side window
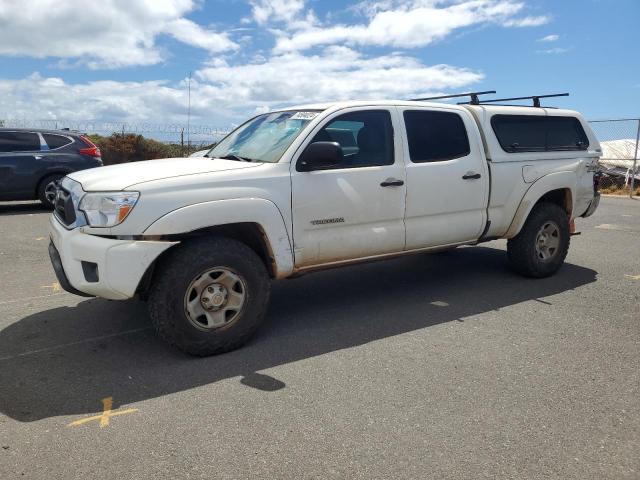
x=537, y=133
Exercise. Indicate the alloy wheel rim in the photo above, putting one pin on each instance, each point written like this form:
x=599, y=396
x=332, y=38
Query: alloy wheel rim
x=215, y=299
x=50, y=191
x=547, y=241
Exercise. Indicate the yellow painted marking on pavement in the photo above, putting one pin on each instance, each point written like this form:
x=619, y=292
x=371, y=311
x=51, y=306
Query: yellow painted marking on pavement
x=107, y=403
x=635, y=277
x=40, y=238
x=609, y=226
x=55, y=287
x=107, y=413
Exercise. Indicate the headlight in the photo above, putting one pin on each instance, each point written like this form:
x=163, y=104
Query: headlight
x=107, y=209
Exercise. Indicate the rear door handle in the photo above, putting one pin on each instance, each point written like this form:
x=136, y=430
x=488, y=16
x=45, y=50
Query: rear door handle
x=471, y=176
x=392, y=182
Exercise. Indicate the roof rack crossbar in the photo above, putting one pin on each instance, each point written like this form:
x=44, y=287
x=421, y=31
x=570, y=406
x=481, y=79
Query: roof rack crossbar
x=474, y=97
x=535, y=98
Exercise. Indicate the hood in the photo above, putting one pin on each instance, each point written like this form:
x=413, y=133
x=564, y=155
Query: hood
x=119, y=177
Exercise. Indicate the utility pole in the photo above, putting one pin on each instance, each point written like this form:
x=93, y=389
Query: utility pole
x=189, y=115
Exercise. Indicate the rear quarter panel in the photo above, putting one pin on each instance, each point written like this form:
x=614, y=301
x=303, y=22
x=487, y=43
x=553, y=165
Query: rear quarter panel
x=513, y=175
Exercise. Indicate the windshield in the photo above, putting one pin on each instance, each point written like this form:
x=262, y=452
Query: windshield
x=264, y=138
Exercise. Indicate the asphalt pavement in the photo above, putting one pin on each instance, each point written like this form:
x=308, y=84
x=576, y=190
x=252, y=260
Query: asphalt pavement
x=442, y=366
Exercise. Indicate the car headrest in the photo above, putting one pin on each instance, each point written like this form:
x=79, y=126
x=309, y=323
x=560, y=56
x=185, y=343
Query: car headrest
x=371, y=139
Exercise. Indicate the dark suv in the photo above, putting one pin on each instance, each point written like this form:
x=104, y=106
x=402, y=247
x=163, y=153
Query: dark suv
x=32, y=161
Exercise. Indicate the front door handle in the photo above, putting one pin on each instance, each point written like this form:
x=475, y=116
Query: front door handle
x=471, y=176
x=392, y=182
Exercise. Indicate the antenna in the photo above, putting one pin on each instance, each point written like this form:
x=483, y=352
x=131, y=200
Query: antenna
x=535, y=98
x=474, y=97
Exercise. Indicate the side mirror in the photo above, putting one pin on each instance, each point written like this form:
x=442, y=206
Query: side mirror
x=321, y=156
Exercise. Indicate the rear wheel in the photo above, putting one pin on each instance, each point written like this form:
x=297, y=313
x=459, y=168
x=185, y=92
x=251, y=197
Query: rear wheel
x=47, y=189
x=209, y=296
x=541, y=246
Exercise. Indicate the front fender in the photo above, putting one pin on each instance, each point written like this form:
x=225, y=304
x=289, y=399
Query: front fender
x=224, y=212
x=553, y=181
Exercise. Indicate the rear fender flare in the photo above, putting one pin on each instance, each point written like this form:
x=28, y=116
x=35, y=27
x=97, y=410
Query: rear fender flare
x=548, y=183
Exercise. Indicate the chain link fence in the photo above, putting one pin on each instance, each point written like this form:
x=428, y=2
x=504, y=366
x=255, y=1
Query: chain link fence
x=164, y=132
x=123, y=142
x=619, y=164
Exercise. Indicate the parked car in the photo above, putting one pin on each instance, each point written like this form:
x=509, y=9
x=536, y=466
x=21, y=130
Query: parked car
x=33, y=161
x=319, y=186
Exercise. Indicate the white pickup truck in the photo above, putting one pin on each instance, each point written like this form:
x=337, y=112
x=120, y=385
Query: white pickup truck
x=314, y=187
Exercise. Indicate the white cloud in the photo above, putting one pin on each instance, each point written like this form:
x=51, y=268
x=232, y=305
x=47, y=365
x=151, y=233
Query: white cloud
x=229, y=88
x=406, y=23
x=554, y=51
x=224, y=93
x=108, y=33
x=290, y=12
x=37, y=97
x=336, y=74
x=528, y=21
x=193, y=34
x=549, y=38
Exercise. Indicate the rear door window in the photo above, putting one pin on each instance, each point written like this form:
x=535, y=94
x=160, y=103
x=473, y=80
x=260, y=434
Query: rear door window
x=537, y=133
x=19, y=142
x=435, y=136
x=56, y=141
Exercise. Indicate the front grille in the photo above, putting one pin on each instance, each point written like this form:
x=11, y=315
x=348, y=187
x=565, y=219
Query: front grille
x=63, y=207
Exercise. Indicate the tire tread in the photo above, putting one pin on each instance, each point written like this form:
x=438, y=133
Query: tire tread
x=170, y=273
x=520, y=249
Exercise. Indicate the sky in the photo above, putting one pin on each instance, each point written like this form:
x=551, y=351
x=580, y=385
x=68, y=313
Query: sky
x=129, y=60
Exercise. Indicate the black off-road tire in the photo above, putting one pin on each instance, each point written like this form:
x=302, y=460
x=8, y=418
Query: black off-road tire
x=172, y=279
x=521, y=249
x=42, y=188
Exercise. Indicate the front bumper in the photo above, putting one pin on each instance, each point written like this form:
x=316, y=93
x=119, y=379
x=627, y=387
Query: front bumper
x=592, y=206
x=56, y=262
x=89, y=265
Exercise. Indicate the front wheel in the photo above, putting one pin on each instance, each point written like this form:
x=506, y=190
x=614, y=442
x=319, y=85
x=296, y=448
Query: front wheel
x=541, y=246
x=209, y=296
x=47, y=189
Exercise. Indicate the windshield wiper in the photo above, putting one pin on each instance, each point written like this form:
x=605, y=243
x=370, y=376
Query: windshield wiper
x=237, y=158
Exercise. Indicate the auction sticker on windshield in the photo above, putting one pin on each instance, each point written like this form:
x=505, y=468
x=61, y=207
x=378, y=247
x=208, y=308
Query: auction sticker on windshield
x=304, y=116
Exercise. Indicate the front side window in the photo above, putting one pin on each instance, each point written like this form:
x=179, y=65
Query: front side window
x=264, y=138
x=366, y=137
x=19, y=142
x=538, y=133
x=435, y=136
